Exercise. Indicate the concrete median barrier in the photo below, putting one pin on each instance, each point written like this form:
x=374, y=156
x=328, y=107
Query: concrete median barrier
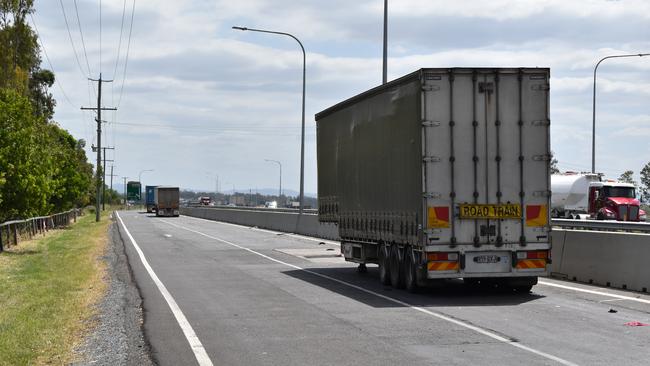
x=614, y=259
x=291, y=222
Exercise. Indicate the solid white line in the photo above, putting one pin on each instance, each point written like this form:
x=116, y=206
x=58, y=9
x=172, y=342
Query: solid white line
x=601, y=293
x=195, y=343
x=387, y=298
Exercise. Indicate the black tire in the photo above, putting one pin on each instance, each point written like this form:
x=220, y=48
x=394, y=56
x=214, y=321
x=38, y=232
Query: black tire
x=396, y=268
x=472, y=282
x=410, y=268
x=384, y=266
x=523, y=289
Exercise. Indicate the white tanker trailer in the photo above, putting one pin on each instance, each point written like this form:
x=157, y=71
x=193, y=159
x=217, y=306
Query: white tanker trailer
x=586, y=195
x=570, y=194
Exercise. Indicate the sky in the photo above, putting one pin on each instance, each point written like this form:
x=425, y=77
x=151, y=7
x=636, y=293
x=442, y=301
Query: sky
x=199, y=102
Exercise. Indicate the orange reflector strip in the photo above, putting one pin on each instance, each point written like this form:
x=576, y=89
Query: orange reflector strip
x=531, y=263
x=442, y=266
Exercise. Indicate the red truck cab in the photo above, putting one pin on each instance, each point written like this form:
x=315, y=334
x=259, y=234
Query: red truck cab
x=611, y=200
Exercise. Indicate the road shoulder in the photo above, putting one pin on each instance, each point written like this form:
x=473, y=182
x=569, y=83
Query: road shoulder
x=118, y=338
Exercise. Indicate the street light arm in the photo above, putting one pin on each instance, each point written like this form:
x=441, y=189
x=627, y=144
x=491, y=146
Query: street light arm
x=619, y=56
x=593, y=126
x=302, y=138
x=272, y=32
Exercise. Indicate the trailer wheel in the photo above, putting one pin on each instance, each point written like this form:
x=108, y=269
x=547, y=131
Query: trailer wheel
x=410, y=277
x=523, y=289
x=396, y=267
x=384, y=272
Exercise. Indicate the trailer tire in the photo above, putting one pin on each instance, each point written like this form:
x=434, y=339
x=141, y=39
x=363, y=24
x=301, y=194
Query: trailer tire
x=396, y=267
x=523, y=289
x=410, y=271
x=384, y=266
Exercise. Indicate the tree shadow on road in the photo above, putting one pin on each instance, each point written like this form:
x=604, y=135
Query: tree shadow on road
x=365, y=287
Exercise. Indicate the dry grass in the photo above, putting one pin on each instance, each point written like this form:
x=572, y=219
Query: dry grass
x=48, y=291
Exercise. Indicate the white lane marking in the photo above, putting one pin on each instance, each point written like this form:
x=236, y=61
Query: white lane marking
x=611, y=300
x=594, y=292
x=195, y=343
x=387, y=298
x=311, y=238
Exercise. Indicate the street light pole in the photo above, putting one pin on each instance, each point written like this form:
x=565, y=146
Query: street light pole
x=126, y=204
x=140, y=180
x=385, y=63
x=593, y=125
x=302, y=139
x=279, y=164
x=216, y=183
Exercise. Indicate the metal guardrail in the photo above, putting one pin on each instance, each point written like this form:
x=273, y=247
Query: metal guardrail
x=11, y=232
x=602, y=225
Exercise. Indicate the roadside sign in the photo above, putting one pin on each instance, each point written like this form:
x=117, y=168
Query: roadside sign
x=133, y=191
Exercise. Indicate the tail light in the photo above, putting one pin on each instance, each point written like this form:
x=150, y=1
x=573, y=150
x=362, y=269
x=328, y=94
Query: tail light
x=440, y=256
x=536, y=254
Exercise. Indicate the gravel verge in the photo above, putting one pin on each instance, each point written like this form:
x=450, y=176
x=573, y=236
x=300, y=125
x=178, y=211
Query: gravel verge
x=118, y=338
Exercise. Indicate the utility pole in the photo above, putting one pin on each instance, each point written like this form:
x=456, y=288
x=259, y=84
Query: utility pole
x=104, y=176
x=126, y=207
x=112, y=175
x=99, y=110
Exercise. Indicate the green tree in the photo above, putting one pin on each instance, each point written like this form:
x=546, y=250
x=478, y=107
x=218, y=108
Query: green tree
x=554, y=168
x=645, y=183
x=72, y=174
x=42, y=167
x=627, y=177
x=24, y=160
x=20, y=59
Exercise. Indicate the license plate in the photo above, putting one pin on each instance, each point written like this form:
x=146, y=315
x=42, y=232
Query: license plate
x=487, y=259
x=504, y=211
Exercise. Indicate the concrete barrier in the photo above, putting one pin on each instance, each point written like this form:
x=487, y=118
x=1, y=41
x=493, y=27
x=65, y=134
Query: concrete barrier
x=613, y=259
x=291, y=222
x=604, y=258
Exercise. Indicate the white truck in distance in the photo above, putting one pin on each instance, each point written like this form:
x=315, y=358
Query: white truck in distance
x=586, y=195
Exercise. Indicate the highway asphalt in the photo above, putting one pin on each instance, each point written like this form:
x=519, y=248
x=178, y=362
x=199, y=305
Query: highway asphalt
x=223, y=294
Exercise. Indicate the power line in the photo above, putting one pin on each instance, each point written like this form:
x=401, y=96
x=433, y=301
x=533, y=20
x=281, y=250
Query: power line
x=119, y=49
x=230, y=130
x=56, y=80
x=83, y=43
x=126, y=59
x=119, y=45
x=74, y=49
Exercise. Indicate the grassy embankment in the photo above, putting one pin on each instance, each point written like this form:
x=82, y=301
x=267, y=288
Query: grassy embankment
x=48, y=289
